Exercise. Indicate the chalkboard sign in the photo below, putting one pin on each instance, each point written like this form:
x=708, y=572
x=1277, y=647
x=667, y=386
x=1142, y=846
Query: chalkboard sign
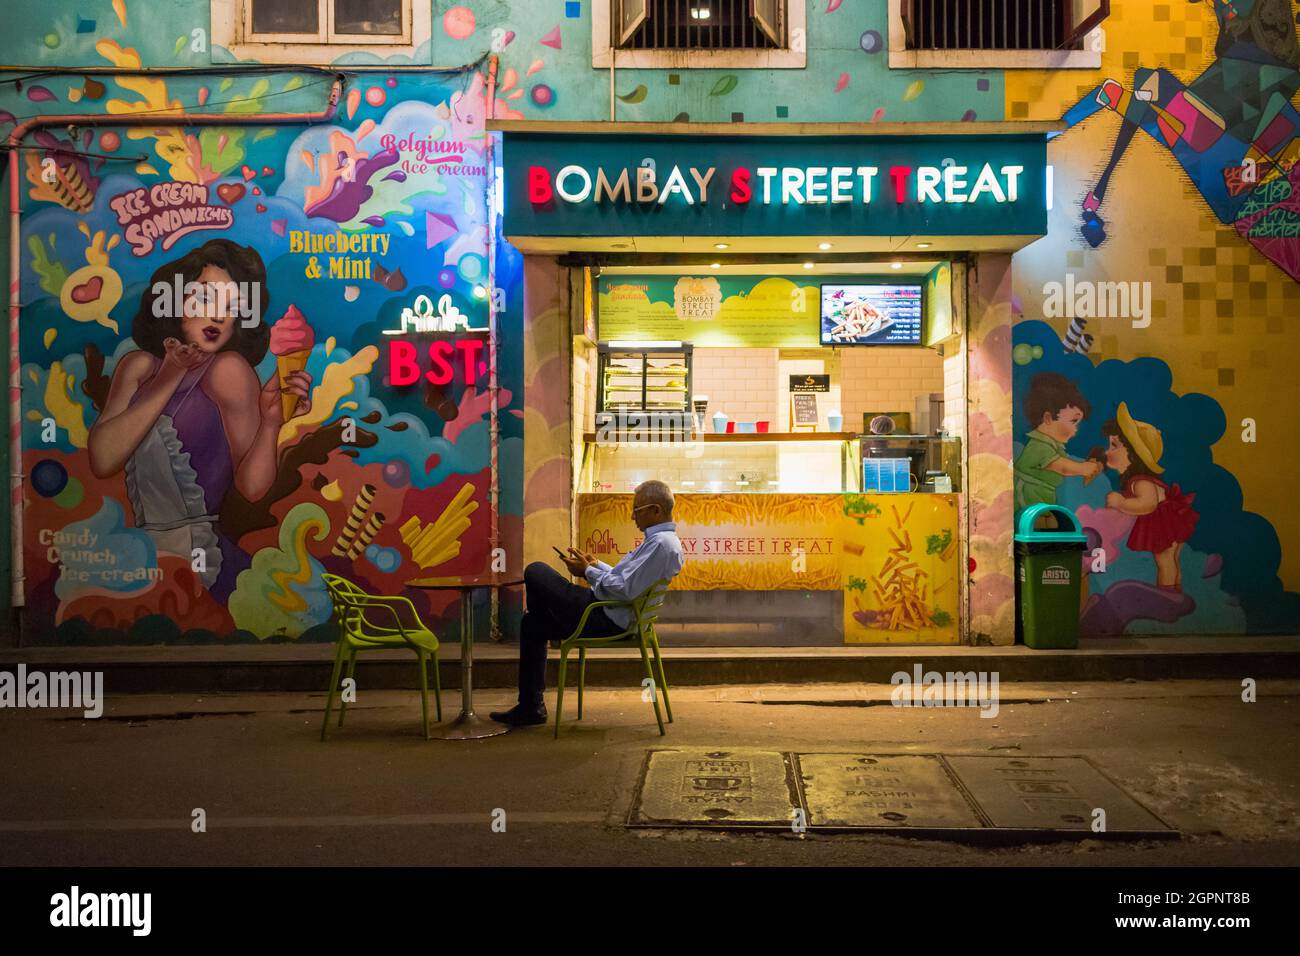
x=803, y=410
x=810, y=383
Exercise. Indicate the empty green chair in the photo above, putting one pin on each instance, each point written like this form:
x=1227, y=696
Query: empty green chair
x=363, y=623
x=641, y=635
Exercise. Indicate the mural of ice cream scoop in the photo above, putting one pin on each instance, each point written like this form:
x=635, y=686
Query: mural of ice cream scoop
x=292, y=340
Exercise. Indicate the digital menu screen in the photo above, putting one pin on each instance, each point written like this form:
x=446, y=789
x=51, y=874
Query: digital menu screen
x=875, y=314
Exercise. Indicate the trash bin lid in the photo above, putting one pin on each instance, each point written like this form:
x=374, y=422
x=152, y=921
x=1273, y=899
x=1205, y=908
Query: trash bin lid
x=1026, y=532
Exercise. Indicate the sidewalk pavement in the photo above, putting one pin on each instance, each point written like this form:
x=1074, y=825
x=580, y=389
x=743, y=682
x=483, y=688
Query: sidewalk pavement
x=123, y=789
x=210, y=668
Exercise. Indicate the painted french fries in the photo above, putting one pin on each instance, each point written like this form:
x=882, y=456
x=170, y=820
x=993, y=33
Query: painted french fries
x=901, y=586
x=439, y=541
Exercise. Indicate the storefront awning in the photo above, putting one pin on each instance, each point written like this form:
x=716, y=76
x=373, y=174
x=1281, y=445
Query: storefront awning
x=774, y=188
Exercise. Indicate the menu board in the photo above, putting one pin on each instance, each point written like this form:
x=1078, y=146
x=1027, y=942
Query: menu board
x=803, y=409
x=709, y=311
x=871, y=314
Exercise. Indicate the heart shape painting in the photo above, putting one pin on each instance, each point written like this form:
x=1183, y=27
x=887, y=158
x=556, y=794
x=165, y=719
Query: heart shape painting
x=88, y=291
x=230, y=193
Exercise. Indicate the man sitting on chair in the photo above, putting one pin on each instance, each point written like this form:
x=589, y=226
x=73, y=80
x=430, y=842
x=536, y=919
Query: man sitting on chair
x=555, y=605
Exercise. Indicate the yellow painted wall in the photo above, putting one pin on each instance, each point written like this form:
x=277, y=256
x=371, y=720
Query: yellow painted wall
x=1224, y=317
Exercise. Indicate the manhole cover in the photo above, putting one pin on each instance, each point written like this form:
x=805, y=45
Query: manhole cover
x=882, y=790
x=1052, y=793
x=711, y=787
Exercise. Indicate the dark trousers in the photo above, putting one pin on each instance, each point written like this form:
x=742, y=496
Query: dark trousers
x=554, y=606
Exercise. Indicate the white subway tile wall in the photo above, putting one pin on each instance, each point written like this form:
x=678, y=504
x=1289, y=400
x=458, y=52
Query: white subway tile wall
x=745, y=385
x=954, y=408
x=881, y=379
x=738, y=382
x=718, y=467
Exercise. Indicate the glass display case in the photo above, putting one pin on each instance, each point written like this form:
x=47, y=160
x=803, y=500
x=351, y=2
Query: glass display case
x=803, y=463
x=644, y=377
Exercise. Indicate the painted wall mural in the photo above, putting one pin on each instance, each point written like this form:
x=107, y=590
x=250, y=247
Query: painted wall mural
x=1154, y=328
x=1171, y=548
x=1176, y=177
x=1232, y=128
x=212, y=412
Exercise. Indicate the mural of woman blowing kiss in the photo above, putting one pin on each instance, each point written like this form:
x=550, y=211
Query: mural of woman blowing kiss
x=186, y=416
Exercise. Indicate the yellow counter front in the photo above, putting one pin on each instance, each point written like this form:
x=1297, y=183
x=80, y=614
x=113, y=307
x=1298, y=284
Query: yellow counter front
x=895, y=557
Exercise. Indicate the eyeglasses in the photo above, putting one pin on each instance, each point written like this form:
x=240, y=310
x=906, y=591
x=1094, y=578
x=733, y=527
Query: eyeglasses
x=643, y=508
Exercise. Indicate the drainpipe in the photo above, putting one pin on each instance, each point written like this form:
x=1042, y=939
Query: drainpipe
x=159, y=119
x=494, y=432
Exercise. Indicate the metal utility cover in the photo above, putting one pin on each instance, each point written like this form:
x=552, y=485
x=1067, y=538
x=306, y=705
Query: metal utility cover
x=882, y=790
x=704, y=787
x=1051, y=793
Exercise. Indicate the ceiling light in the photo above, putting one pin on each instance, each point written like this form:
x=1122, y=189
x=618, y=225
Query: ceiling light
x=721, y=245
x=701, y=13
x=923, y=245
x=808, y=265
x=895, y=265
x=823, y=246
x=716, y=265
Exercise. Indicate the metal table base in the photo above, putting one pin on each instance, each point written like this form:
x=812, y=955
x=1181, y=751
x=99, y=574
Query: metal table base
x=468, y=726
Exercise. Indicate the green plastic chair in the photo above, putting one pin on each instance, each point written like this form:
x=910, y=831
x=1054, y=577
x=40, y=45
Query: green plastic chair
x=641, y=635
x=357, y=632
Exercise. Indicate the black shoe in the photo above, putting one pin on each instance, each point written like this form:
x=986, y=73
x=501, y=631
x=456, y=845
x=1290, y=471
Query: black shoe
x=520, y=715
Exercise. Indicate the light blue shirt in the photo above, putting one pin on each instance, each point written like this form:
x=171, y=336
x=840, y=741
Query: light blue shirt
x=658, y=556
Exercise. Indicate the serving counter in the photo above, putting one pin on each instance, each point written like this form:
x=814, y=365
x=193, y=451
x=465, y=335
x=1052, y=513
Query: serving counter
x=783, y=513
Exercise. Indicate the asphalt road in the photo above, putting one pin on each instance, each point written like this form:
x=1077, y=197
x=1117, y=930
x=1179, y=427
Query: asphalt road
x=123, y=789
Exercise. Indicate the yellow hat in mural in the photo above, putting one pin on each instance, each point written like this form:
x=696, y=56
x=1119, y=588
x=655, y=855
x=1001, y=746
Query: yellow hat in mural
x=1144, y=438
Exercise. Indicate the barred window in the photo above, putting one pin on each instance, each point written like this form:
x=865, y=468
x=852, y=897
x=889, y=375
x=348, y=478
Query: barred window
x=1000, y=24
x=699, y=24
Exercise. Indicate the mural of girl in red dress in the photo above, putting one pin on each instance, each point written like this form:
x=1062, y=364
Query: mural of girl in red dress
x=1165, y=518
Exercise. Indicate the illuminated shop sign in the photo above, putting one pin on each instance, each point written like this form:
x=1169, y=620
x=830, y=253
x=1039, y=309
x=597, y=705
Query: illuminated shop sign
x=420, y=317
x=784, y=185
x=585, y=185
x=435, y=360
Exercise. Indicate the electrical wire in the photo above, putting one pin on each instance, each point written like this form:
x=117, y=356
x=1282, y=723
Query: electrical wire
x=66, y=151
x=253, y=69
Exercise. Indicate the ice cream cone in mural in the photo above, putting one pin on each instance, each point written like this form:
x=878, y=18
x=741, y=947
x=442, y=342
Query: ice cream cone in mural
x=284, y=364
x=292, y=340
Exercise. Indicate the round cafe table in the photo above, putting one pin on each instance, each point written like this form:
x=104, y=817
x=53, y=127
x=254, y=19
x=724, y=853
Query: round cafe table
x=468, y=726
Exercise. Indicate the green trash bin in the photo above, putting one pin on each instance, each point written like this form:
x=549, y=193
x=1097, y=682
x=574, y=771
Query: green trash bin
x=1049, y=577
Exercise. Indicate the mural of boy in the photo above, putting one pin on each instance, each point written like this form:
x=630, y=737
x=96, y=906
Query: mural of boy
x=1055, y=407
x=1165, y=517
